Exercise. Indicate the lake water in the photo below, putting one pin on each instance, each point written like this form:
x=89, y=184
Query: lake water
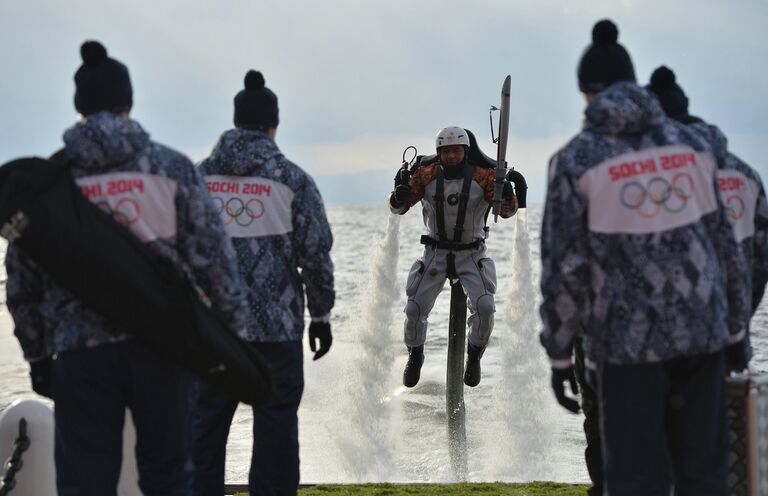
x=359, y=424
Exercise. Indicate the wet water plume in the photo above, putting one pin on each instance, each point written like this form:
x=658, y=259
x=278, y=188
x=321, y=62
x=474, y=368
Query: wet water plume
x=526, y=404
x=367, y=451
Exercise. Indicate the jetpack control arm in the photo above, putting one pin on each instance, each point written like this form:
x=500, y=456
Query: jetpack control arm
x=404, y=173
x=398, y=199
x=500, y=172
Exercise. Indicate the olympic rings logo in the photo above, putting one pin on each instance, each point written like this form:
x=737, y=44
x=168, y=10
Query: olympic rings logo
x=235, y=210
x=734, y=208
x=658, y=194
x=125, y=211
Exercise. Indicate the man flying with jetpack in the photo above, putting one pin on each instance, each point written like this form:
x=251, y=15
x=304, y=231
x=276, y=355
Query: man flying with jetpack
x=456, y=190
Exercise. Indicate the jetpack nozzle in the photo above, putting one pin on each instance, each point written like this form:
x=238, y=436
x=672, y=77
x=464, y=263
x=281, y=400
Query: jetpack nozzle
x=521, y=187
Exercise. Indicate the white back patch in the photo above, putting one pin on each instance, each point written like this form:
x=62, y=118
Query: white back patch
x=145, y=203
x=251, y=206
x=739, y=195
x=649, y=191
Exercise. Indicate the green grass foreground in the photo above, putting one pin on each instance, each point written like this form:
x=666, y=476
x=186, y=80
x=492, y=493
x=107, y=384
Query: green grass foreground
x=481, y=489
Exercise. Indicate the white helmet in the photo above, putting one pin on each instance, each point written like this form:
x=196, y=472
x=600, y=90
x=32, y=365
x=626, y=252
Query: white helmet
x=453, y=135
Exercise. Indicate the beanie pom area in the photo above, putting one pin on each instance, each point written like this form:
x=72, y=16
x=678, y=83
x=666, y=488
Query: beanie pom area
x=605, y=32
x=93, y=53
x=663, y=78
x=254, y=80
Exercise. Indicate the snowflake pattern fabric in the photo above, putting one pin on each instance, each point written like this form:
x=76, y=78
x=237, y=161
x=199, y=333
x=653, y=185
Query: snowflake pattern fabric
x=746, y=208
x=638, y=296
x=277, y=268
x=48, y=318
x=755, y=245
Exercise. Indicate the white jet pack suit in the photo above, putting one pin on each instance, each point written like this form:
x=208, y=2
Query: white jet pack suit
x=441, y=199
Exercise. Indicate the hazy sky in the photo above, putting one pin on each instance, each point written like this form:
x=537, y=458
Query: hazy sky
x=359, y=80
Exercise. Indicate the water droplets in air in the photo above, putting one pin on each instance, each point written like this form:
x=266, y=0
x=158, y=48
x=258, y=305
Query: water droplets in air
x=367, y=450
x=526, y=402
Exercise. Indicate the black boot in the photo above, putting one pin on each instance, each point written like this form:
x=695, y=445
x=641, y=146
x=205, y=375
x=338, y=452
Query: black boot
x=413, y=366
x=472, y=370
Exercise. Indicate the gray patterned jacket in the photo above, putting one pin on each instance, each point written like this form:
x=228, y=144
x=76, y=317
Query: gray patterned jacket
x=158, y=194
x=746, y=206
x=636, y=248
x=274, y=213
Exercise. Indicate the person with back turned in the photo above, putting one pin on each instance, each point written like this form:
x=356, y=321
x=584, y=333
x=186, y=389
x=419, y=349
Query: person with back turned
x=274, y=213
x=741, y=188
x=638, y=254
x=90, y=366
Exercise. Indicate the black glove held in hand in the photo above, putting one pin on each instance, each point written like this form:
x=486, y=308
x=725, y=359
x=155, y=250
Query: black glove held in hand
x=403, y=176
x=559, y=376
x=736, y=357
x=507, y=193
x=322, y=332
x=42, y=381
x=400, y=195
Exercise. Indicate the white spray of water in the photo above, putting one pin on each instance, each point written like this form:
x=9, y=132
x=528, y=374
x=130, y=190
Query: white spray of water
x=367, y=445
x=527, y=402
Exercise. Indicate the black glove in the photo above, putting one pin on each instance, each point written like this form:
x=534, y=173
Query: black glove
x=400, y=195
x=507, y=193
x=559, y=376
x=736, y=357
x=322, y=332
x=403, y=176
x=40, y=373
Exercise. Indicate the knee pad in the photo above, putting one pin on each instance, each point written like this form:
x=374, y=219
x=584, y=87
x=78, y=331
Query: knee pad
x=412, y=311
x=482, y=321
x=486, y=307
x=415, y=327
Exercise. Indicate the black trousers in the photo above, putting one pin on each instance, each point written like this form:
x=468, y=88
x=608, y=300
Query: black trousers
x=590, y=405
x=275, y=455
x=664, y=425
x=92, y=389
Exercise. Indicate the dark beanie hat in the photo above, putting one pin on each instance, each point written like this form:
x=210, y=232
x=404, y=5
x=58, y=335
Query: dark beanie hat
x=101, y=83
x=670, y=95
x=604, y=62
x=256, y=105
